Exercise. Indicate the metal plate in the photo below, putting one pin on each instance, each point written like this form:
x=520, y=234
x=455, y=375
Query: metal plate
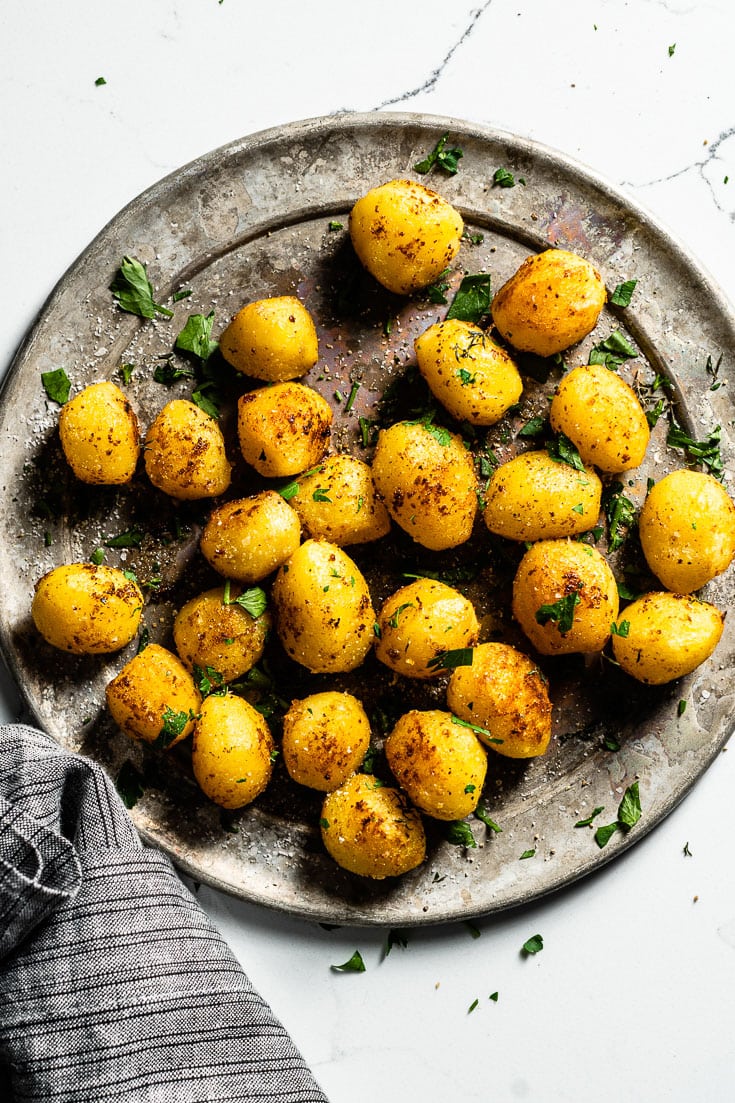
x=251, y=220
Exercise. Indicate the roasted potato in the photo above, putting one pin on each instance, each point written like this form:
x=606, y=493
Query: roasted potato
x=223, y=640
x=153, y=698
x=325, y=739
x=323, y=612
x=687, y=530
x=271, y=339
x=419, y=623
x=100, y=435
x=473, y=378
x=601, y=415
x=232, y=751
x=438, y=761
x=550, y=303
x=504, y=694
x=185, y=454
x=426, y=477
x=371, y=829
x=283, y=429
x=405, y=234
x=338, y=503
x=663, y=636
x=248, y=538
x=535, y=497
x=87, y=609
x=565, y=597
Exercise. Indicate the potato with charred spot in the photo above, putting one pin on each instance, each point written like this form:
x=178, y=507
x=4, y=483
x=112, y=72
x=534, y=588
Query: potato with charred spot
x=221, y=638
x=154, y=698
x=283, y=429
x=185, y=454
x=338, y=502
x=534, y=497
x=662, y=636
x=100, y=435
x=601, y=415
x=87, y=609
x=325, y=739
x=248, y=538
x=272, y=339
x=419, y=623
x=232, y=751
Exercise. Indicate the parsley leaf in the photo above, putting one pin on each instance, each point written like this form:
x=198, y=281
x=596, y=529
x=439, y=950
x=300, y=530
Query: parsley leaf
x=445, y=158
x=253, y=601
x=484, y=817
x=129, y=784
x=133, y=291
x=560, y=612
x=486, y=736
x=534, y=427
x=208, y=680
x=629, y=811
x=533, y=945
x=355, y=964
x=503, y=179
x=604, y=834
x=396, y=937
x=623, y=293
x=448, y=660
x=472, y=300
x=196, y=336
x=620, y=513
x=613, y=351
x=436, y=291
x=460, y=834
x=588, y=821
x=562, y=450
x=172, y=727
x=707, y=452
x=131, y=538
x=57, y=385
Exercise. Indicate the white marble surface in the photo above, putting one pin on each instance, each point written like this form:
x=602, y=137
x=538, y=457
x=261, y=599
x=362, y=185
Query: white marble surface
x=632, y=996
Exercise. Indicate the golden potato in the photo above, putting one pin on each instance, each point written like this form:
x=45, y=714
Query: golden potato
x=154, y=698
x=283, y=429
x=420, y=623
x=439, y=762
x=662, y=636
x=687, y=530
x=426, y=477
x=405, y=234
x=271, y=339
x=565, y=597
x=218, y=637
x=99, y=435
x=504, y=693
x=337, y=502
x=550, y=303
x=248, y=538
x=232, y=751
x=325, y=739
x=473, y=378
x=185, y=452
x=323, y=612
x=87, y=609
x=535, y=497
x=601, y=415
x=371, y=829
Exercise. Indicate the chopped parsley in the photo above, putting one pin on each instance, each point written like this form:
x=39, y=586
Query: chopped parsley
x=196, y=336
x=57, y=385
x=126, y=373
x=209, y=681
x=621, y=629
x=167, y=373
x=534, y=427
x=436, y=292
x=681, y=707
x=129, y=784
x=131, y=538
x=173, y=724
x=133, y=291
x=472, y=300
x=334, y=225
x=620, y=513
x=613, y=351
x=355, y=964
x=99, y=82
x=623, y=293
x=527, y=854
x=486, y=735
x=560, y=613
x=484, y=817
x=629, y=812
x=588, y=821
x=502, y=178
x=396, y=938
x=533, y=945
x=562, y=450
x=707, y=452
x=444, y=157
x=448, y=660
x=253, y=600
x=393, y=622
x=460, y=834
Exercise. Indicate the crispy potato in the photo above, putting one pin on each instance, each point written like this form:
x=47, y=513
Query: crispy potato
x=283, y=429
x=221, y=639
x=504, y=693
x=153, y=698
x=405, y=234
x=371, y=829
x=323, y=612
x=337, y=502
x=420, y=623
x=325, y=739
x=473, y=378
x=185, y=452
x=87, y=609
x=687, y=530
x=565, y=597
x=552, y=301
x=100, y=435
x=248, y=538
x=601, y=415
x=439, y=762
x=426, y=477
x=535, y=497
x=271, y=339
x=662, y=636
x=232, y=751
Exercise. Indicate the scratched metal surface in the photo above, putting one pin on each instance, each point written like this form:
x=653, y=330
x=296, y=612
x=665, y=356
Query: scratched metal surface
x=251, y=220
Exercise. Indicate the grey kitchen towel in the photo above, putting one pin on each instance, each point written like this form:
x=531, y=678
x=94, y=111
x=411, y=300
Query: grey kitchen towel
x=113, y=983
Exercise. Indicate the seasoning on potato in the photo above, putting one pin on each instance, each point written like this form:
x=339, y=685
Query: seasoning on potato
x=214, y=632
x=662, y=636
x=535, y=497
x=87, y=608
x=325, y=739
x=283, y=429
x=154, y=698
x=249, y=538
x=601, y=415
x=405, y=234
x=100, y=436
x=185, y=453
x=337, y=502
x=551, y=302
x=419, y=623
x=271, y=339
x=371, y=829
x=232, y=751
x=687, y=530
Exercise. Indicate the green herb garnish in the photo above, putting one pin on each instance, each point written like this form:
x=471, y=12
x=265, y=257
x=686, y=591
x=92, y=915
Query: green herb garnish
x=355, y=964
x=623, y=293
x=172, y=727
x=620, y=513
x=613, y=351
x=503, y=179
x=196, y=336
x=133, y=291
x=129, y=784
x=562, y=450
x=448, y=660
x=57, y=385
x=445, y=158
x=253, y=600
x=560, y=613
x=588, y=821
x=707, y=452
x=131, y=538
x=472, y=300
x=460, y=834
x=533, y=945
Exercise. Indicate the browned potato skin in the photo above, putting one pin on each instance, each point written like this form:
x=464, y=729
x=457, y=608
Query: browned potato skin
x=601, y=415
x=504, y=693
x=232, y=751
x=271, y=339
x=420, y=622
x=534, y=497
x=439, y=763
x=338, y=503
x=429, y=485
x=550, y=303
x=405, y=234
x=100, y=435
x=249, y=538
x=283, y=429
x=371, y=829
x=153, y=682
x=687, y=530
x=663, y=636
x=208, y=633
x=325, y=739
x=87, y=609
x=185, y=453
x=555, y=569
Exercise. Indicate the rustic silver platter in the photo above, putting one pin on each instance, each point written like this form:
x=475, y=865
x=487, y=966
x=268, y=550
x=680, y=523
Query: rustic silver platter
x=267, y=215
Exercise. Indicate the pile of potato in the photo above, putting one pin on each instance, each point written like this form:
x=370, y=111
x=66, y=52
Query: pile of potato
x=422, y=479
